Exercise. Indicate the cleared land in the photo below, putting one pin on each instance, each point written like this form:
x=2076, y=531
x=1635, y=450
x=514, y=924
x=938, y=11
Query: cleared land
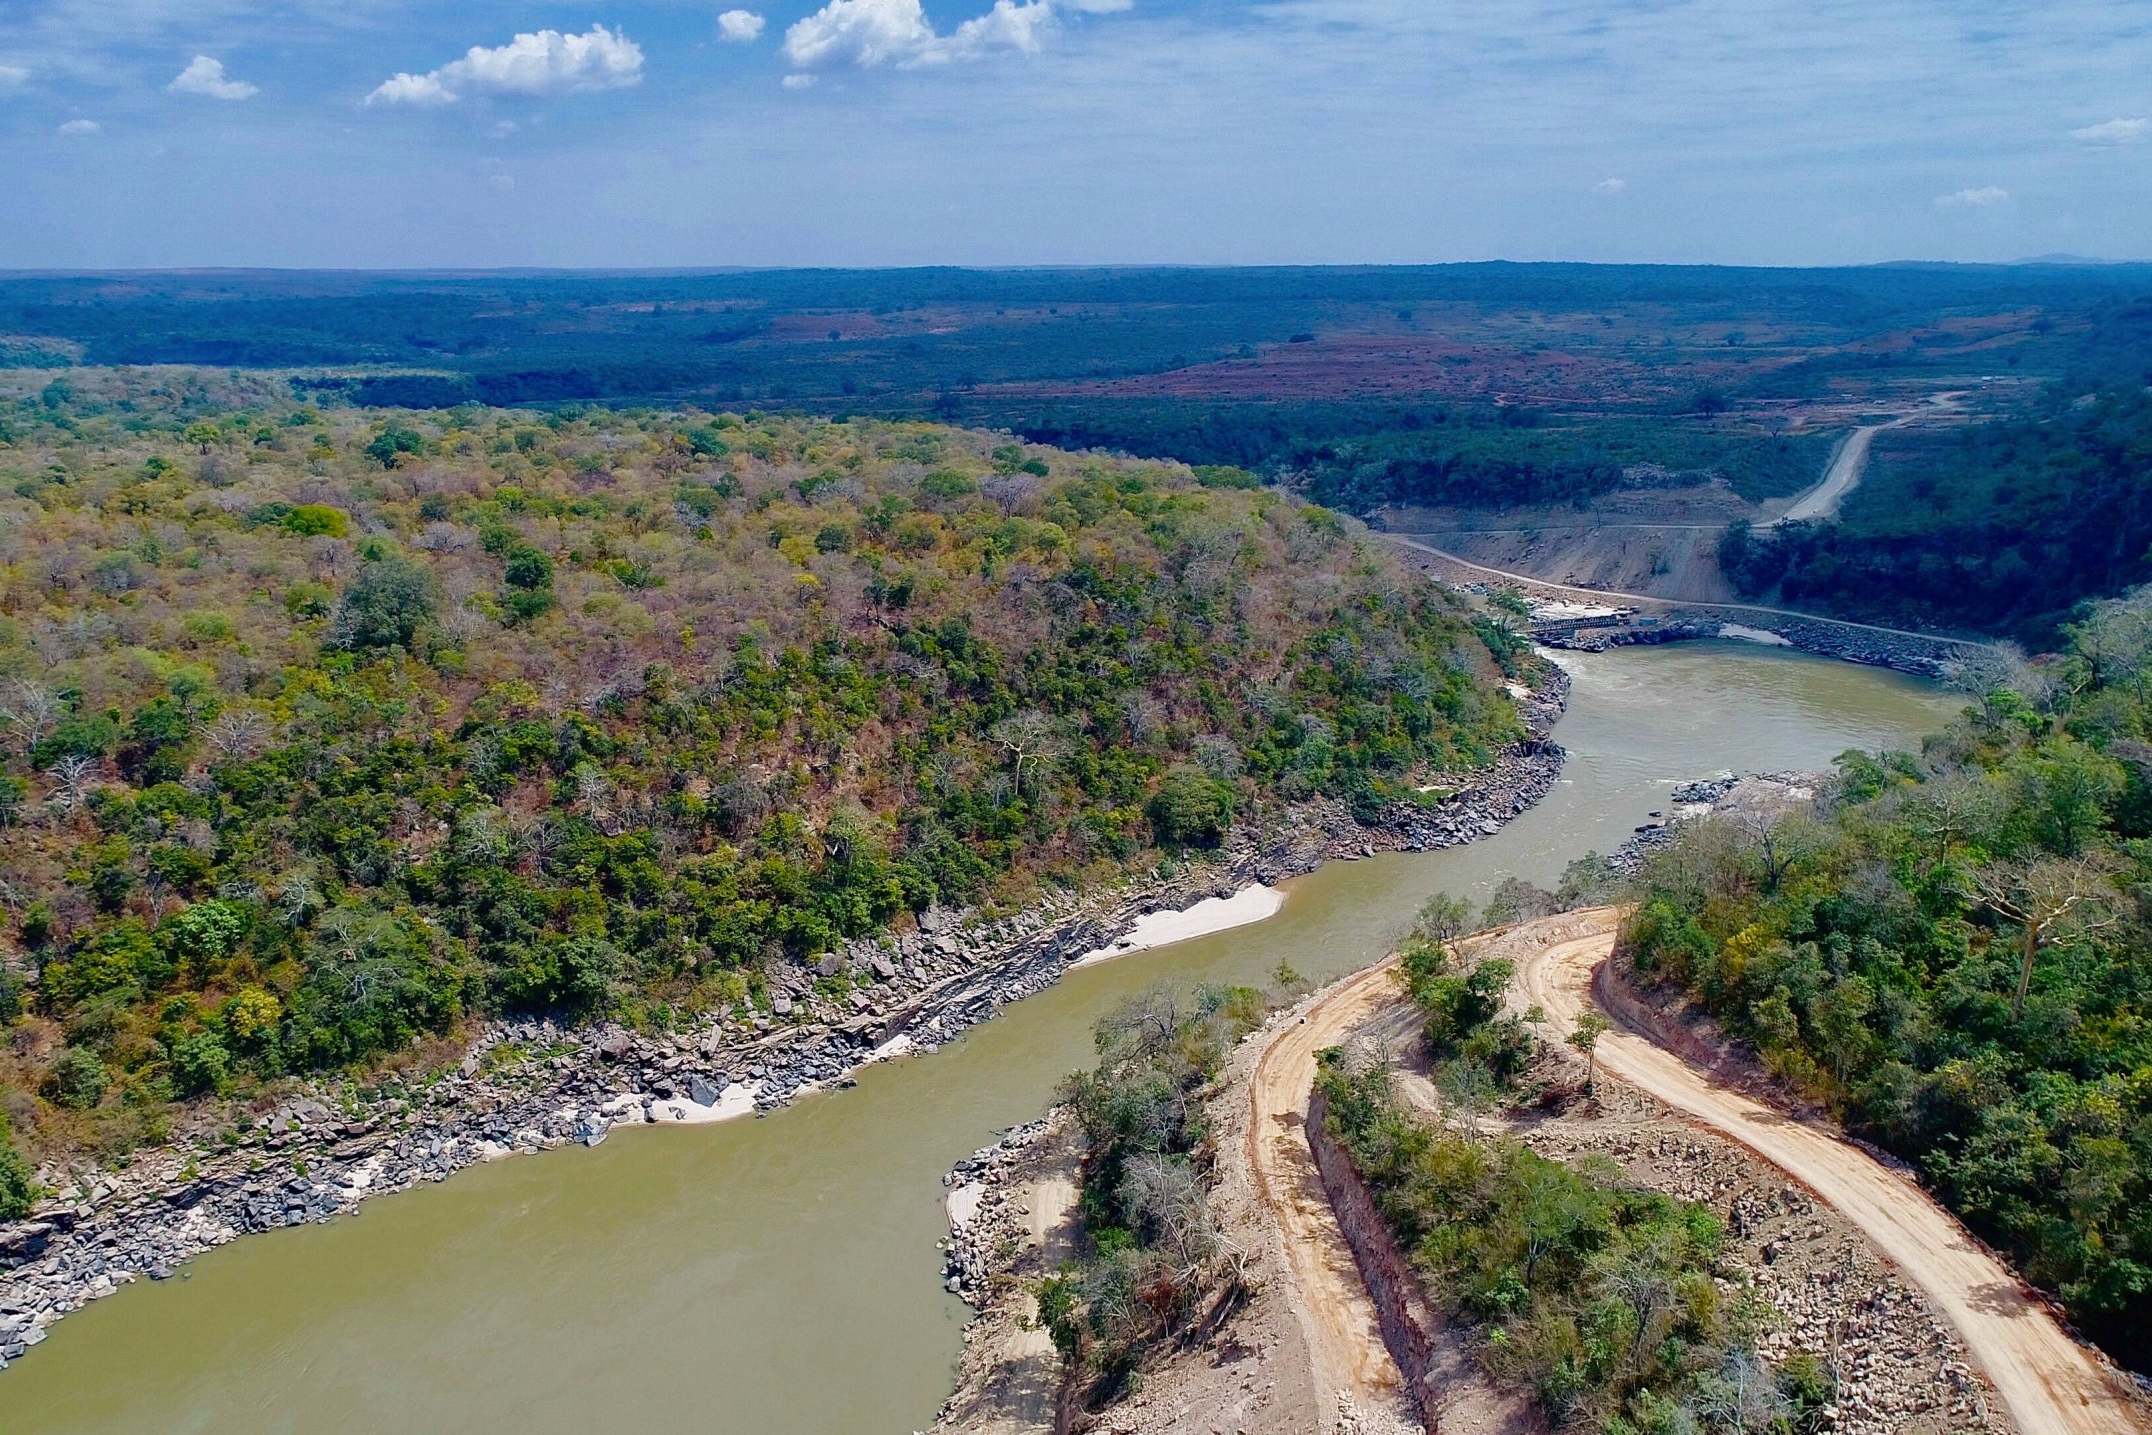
x=2048, y=1381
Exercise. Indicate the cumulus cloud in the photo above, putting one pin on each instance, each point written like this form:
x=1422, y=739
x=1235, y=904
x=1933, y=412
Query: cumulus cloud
x=205, y=76
x=797, y=82
x=1987, y=196
x=539, y=64
x=867, y=33
x=81, y=127
x=741, y=27
x=13, y=77
x=1610, y=186
x=2116, y=131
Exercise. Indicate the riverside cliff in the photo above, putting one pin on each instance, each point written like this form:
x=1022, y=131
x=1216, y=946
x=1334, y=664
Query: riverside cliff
x=534, y=1084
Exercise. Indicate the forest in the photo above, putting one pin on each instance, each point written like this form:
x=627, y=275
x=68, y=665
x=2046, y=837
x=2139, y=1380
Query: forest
x=2005, y=528
x=1463, y=383
x=1954, y=953
x=329, y=731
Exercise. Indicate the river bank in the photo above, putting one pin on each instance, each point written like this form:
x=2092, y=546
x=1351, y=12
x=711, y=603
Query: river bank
x=535, y=1084
x=1652, y=621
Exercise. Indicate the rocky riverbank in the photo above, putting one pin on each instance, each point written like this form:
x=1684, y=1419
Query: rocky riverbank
x=533, y=1084
x=1663, y=620
x=1759, y=795
x=1872, y=647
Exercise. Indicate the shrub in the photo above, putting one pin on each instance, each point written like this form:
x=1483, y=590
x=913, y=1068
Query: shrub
x=311, y=520
x=78, y=1079
x=1191, y=808
x=385, y=606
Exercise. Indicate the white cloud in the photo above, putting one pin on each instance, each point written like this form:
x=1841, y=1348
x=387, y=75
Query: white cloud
x=861, y=32
x=205, y=76
x=868, y=33
x=1008, y=26
x=13, y=77
x=741, y=27
x=2116, y=131
x=81, y=127
x=797, y=82
x=1610, y=186
x=502, y=183
x=539, y=64
x=1987, y=196
x=502, y=129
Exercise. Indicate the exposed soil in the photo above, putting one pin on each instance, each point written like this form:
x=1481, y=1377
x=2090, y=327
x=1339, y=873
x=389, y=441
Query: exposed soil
x=1666, y=561
x=1022, y=1227
x=1881, y=1226
x=1928, y=1333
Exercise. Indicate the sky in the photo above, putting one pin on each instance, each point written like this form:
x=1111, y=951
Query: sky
x=385, y=133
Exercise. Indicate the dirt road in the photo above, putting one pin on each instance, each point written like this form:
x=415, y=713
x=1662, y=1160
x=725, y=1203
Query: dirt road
x=1838, y=480
x=2049, y=1383
x=1601, y=595
x=1350, y=1364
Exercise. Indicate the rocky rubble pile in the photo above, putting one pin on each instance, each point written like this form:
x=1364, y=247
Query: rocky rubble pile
x=983, y=1216
x=532, y=1084
x=1901, y=1369
x=1757, y=792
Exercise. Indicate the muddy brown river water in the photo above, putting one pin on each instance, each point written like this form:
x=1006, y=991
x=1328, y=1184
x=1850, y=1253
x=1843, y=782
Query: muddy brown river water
x=779, y=1276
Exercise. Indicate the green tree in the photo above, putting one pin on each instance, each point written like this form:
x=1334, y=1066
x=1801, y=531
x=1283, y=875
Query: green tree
x=385, y=606
x=1191, y=809
x=1584, y=1039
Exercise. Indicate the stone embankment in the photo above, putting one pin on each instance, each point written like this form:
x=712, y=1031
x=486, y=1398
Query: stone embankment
x=529, y=1085
x=1650, y=620
x=1409, y=1324
x=1872, y=647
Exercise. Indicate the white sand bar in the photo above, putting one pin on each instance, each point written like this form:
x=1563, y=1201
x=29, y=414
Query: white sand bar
x=735, y=1100
x=964, y=1204
x=1212, y=914
x=1746, y=634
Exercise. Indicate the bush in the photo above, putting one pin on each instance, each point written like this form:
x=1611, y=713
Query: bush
x=78, y=1079
x=385, y=606
x=1191, y=809
x=201, y=1064
x=18, y=1191
x=317, y=520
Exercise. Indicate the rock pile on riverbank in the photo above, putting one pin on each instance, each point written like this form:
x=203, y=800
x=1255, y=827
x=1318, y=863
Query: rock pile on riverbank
x=533, y=1084
x=984, y=1216
x=1761, y=795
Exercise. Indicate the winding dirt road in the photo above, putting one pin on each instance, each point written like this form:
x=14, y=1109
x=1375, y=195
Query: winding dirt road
x=1348, y=1360
x=2050, y=1384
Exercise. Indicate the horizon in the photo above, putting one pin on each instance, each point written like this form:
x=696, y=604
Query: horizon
x=381, y=135
x=2059, y=261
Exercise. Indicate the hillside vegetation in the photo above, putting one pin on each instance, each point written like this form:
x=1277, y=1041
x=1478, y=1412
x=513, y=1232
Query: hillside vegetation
x=1957, y=955
x=2006, y=529
x=325, y=732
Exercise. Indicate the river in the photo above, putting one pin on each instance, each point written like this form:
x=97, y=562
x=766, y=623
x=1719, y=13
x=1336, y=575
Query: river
x=780, y=1276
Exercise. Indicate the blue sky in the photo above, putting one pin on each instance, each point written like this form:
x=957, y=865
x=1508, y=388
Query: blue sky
x=385, y=133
